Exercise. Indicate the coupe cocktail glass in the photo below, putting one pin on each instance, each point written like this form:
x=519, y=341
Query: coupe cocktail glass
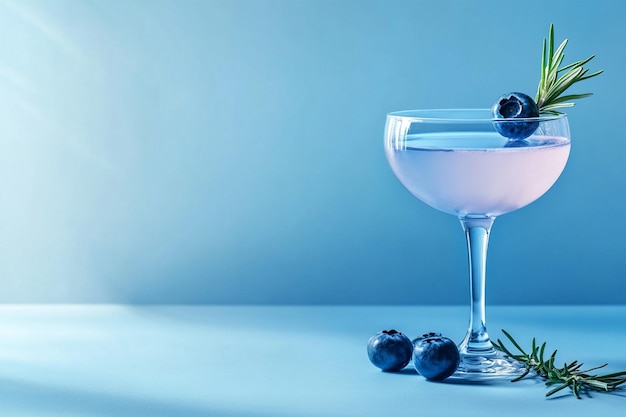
x=456, y=162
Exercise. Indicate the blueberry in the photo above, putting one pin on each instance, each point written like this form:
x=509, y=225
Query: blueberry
x=436, y=357
x=389, y=350
x=515, y=106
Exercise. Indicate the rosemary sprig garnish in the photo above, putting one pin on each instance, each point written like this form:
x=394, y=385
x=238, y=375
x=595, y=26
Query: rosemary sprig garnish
x=570, y=375
x=555, y=81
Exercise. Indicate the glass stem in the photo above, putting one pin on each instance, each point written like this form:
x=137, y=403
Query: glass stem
x=477, y=231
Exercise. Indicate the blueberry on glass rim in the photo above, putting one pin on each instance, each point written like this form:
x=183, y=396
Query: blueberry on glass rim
x=515, y=106
x=389, y=350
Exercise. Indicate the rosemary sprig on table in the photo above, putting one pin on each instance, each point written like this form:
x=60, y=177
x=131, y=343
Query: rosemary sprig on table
x=570, y=375
x=555, y=81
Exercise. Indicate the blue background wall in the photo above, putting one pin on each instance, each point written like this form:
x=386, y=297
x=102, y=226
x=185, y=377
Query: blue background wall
x=231, y=151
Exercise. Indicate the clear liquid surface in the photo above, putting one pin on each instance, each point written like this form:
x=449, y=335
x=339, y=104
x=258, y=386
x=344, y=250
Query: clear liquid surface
x=477, y=173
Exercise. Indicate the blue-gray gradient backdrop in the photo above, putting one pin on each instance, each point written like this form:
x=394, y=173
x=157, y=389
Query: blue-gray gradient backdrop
x=214, y=151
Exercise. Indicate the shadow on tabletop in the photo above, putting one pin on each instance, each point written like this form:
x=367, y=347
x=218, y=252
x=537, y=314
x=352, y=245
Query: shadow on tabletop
x=503, y=382
x=587, y=394
x=410, y=370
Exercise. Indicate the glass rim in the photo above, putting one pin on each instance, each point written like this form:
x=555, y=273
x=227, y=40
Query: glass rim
x=463, y=116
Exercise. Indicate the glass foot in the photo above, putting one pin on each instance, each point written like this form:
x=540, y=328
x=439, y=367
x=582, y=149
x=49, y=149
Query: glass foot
x=488, y=367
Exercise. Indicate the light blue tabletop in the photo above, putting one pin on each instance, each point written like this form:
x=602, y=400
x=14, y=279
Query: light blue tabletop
x=75, y=360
